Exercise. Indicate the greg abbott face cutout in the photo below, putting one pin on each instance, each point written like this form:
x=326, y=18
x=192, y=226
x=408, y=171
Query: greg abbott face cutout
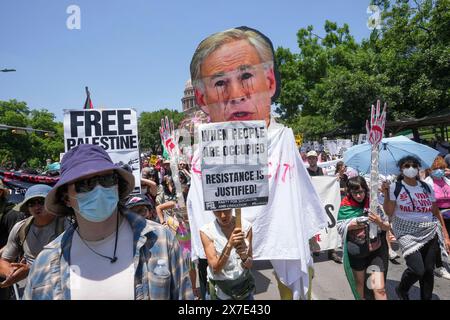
x=234, y=75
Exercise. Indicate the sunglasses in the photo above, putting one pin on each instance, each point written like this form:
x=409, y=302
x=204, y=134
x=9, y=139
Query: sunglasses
x=87, y=185
x=142, y=211
x=407, y=166
x=34, y=202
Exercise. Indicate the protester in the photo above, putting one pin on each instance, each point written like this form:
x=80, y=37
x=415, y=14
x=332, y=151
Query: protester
x=235, y=79
x=360, y=251
x=111, y=252
x=29, y=236
x=229, y=253
x=149, y=183
x=5, y=207
x=413, y=204
x=441, y=186
x=165, y=169
x=342, y=177
x=313, y=169
x=165, y=201
x=142, y=206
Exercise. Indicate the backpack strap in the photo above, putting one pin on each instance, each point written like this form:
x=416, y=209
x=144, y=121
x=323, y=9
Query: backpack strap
x=398, y=188
x=23, y=231
x=425, y=186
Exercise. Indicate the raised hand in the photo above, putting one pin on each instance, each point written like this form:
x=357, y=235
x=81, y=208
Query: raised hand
x=377, y=124
x=169, y=137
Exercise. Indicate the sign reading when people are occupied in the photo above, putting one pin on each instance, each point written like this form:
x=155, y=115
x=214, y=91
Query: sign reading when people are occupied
x=115, y=130
x=234, y=164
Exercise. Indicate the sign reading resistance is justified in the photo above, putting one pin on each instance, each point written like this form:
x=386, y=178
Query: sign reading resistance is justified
x=234, y=164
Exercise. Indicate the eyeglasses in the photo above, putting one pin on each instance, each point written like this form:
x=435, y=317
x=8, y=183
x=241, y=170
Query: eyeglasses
x=406, y=166
x=358, y=193
x=34, y=202
x=87, y=185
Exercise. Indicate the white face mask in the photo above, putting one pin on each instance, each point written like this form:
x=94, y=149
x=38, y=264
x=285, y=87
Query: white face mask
x=410, y=172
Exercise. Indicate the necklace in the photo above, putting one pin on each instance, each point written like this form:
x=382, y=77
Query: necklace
x=112, y=259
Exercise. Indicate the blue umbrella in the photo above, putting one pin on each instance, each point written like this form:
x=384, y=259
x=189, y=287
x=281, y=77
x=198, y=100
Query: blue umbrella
x=391, y=150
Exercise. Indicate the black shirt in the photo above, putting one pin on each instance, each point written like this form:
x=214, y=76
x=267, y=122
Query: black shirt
x=319, y=172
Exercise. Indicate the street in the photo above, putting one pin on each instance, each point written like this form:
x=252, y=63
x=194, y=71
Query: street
x=330, y=283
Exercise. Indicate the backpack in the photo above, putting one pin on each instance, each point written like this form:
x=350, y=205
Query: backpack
x=238, y=289
x=25, y=228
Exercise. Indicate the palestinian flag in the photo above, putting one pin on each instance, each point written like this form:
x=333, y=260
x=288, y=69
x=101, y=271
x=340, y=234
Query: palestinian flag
x=88, y=103
x=350, y=208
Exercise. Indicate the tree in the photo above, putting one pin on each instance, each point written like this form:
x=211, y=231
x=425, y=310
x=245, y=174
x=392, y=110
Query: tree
x=406, y=64
x=149, y=124
x=33, y=147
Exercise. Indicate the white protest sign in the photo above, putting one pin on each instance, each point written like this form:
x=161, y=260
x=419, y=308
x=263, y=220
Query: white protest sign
x=329, y=193
x=343, y=145
x=362, y=138
x=115, y=130
x=234, y=164
x=331, y=146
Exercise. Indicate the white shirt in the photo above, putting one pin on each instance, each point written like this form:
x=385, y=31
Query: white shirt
x=232, y=268
x=422, y=200
x=93, y=277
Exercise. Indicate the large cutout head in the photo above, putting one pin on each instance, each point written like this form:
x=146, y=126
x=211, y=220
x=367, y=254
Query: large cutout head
x=234, y=76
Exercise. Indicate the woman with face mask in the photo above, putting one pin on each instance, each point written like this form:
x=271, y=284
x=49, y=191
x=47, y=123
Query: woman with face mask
x=360, y=252
x=418, y=226
x=110, y=253
x=441, y=186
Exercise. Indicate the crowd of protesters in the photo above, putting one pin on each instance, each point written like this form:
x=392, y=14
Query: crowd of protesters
x=108, y=233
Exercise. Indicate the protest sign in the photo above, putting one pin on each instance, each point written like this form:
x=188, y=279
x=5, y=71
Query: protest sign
x=153, y=160
x=299, y=139
x=115, y=130
x=328, y=190
x=343, y=145
x=234, y=164
x=330, y=146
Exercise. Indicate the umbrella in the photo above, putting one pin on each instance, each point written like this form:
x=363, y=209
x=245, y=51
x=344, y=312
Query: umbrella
x=391, y=150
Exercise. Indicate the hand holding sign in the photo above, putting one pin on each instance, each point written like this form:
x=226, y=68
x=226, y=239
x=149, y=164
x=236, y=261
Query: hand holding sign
x=377, y=124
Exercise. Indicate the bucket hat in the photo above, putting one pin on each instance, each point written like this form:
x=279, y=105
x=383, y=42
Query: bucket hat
x=35, y=191
x=81, y=161
x=138, y=200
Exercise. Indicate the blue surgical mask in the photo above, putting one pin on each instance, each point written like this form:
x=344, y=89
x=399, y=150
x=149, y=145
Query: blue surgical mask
x=438, y=173
x=99, y=204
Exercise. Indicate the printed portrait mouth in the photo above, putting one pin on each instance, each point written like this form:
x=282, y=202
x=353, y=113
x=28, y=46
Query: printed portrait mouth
x=241, y=115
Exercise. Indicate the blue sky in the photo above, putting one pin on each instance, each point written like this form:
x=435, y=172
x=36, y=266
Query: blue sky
x=136, y=53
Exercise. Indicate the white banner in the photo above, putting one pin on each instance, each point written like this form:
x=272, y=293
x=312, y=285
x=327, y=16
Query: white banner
x=328, y=191
x=115, y=130
x=234, y=164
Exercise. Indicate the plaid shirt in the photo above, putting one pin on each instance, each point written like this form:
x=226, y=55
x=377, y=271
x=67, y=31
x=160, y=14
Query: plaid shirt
x=49, y=277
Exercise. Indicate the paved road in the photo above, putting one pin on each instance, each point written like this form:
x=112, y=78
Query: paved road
x=330, y=283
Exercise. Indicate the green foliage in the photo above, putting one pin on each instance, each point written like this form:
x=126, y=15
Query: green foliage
x=149, y=124
x=34, y=148
x=406, y=64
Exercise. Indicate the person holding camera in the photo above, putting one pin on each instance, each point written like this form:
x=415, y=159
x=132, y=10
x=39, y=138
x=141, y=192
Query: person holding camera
x=361, y=252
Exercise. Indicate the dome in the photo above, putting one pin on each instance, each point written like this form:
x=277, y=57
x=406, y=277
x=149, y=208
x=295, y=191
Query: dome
x=188, y=84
